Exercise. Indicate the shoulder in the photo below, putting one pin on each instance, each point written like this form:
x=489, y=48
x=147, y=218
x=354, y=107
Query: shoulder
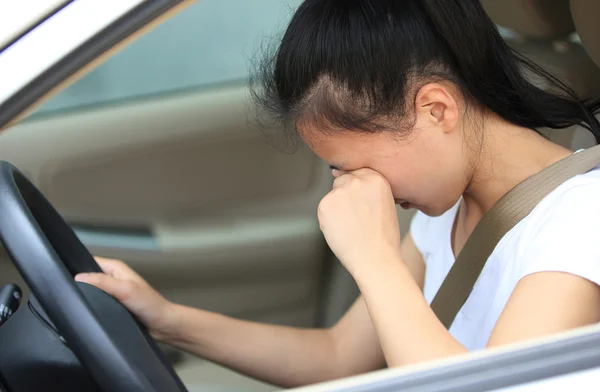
x=574, y=205
x=562, y=233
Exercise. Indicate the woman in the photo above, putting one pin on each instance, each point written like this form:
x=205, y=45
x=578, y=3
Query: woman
x=422, y=104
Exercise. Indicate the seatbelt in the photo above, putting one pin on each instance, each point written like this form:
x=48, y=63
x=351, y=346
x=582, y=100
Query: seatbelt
x=504, y=215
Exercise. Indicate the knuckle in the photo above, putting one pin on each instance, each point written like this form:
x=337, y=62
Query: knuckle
x=326, y=201
x=353, y=179
x=92, y=278
x=377, y=179
x=118, y=263
x=322, y=205
x=128, y=290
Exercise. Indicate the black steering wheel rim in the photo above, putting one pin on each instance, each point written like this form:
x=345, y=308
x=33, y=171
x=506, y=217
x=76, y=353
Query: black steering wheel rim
x=47, y=254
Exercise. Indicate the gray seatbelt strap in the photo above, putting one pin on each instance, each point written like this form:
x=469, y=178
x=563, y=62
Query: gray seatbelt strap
x=504, y=215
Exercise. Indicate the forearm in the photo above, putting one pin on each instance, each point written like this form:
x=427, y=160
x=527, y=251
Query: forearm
x=278, y=355
x=408, y=329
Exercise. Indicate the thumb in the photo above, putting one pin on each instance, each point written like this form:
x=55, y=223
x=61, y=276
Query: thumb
x=122, y=290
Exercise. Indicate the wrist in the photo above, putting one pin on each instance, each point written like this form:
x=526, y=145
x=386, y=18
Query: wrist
x=379, y=265
x=168, y=330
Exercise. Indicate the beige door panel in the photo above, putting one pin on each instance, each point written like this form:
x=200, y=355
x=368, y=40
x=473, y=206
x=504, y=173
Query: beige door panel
x=158, y=159
x=186, y=190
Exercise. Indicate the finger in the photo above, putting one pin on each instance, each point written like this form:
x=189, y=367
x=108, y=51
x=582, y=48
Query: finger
x=337, y=173
x=102, y=259
x=370, y=175
x=122, y=290
x=117, y=269
x=110, y=266
x=342, y=180
x=107, y=265
x=365, y=171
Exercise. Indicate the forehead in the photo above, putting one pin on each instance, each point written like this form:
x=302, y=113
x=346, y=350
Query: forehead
x=331, y=141
x=349, y=148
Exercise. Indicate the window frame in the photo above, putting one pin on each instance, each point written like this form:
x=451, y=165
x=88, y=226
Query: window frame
x=519, y=366
x=67, y=56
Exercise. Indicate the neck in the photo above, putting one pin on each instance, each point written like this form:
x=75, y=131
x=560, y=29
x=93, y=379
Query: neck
x=510, y=154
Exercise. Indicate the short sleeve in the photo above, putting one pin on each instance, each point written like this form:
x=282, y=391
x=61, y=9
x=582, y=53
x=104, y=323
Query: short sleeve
x=418, y=229
x=566, y=237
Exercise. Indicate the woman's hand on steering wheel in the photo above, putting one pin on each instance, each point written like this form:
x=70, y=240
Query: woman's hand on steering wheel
x=126, y=286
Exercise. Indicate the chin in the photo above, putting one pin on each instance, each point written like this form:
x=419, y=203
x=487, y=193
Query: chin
x=429, y=211
x=433, y=210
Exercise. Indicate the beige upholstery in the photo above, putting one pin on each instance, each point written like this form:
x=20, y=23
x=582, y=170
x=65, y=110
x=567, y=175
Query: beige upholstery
x=546, y=19
x=585, y=14
x=546, y=24
x=572, y=66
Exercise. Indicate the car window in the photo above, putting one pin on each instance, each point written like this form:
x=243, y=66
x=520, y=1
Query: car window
x=211, y=42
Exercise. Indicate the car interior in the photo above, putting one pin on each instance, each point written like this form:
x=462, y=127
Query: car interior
x=155, y=158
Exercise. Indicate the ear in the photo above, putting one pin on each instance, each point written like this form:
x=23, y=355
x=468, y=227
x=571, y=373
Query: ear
x=436, y=105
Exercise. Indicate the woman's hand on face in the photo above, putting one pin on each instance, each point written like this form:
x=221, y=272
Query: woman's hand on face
x=359, y=220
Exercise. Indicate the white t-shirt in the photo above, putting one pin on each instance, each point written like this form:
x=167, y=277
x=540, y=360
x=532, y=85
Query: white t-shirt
x=561, y=234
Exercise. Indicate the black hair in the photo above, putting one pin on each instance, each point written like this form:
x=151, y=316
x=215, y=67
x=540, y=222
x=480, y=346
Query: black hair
x=353, y=64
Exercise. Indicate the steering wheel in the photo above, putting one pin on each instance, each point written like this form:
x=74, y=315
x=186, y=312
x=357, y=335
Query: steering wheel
x=106, y=343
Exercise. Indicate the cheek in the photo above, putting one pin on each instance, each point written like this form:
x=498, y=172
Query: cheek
x=406, y=182
x=445, y=187
x=431, y=184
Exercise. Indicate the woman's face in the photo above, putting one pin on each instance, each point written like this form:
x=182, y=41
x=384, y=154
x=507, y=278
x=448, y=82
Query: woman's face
x=427, y=170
